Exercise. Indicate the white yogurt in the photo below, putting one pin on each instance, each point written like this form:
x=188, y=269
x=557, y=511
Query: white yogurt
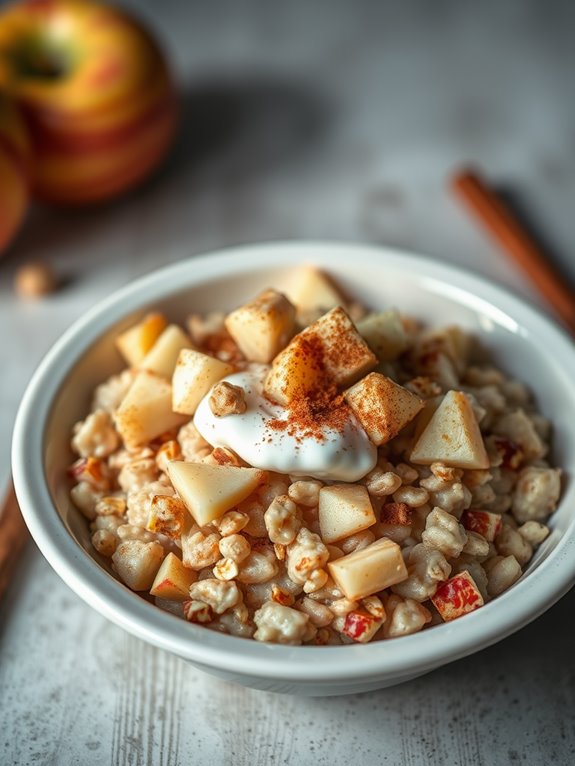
x=340, y=455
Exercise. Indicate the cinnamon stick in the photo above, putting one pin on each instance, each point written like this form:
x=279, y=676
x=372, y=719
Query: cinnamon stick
x=504, y=227
x=13, y=534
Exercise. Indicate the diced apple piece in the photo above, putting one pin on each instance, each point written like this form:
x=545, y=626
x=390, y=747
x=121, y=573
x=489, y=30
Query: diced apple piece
x=311, y=290
x=451, y=341
x=173, y=580
x=208, y=491
x=135, y=342
x=519, y=429
x=295, y=370
x=483, y=522
x=344, y=509
x=452, y=436
x=361, y=626
x=384, y=334
x=146, y=410
x=162, y=357
x=263, y=327
x=329, y=348
x=369, y=570
x=193, y=377
x=457, y=596
x=345, y=355
x=382, y=406
x=137, y=563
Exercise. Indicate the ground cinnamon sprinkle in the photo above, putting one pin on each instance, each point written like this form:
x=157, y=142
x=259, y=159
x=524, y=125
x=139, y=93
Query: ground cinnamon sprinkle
x=314, y=409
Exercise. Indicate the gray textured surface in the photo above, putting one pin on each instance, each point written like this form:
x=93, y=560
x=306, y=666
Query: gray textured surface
x=329, y=120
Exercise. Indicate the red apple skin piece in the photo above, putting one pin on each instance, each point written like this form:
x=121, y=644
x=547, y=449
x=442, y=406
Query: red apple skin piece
x=457, y=596
x=483, y=522
x=14, y=171
x=103, y=125
x=361, y=626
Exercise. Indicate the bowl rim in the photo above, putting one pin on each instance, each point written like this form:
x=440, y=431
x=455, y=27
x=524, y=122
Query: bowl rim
x=550, y=580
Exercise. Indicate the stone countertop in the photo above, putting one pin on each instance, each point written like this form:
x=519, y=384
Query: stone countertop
x=301, y=120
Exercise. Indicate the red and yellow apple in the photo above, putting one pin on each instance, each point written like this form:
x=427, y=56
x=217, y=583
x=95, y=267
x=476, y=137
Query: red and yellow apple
x=14, y=170
x=96, y=91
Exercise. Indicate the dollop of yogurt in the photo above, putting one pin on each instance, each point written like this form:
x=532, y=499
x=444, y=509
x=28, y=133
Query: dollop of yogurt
x=345, y=454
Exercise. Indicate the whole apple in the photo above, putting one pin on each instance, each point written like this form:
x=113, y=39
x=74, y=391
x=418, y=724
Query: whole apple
x=14, y=171
x=96, y=91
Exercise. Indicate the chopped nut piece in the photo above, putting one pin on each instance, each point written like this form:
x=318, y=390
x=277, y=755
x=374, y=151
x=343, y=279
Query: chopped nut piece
x=222, y=456
x=167, y=516
x=532, y=531
x=225, y=569
x=227, y=399
x=282, y=596
x=34, y=280
x=374, y=606
x=280, y=551
x=231, y=523
x=111, y=506
x=91, y=470
x=235, y=547
x=167, y=452
x=198, y=612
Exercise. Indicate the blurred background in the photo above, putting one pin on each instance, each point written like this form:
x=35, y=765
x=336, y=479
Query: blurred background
x=335, y=120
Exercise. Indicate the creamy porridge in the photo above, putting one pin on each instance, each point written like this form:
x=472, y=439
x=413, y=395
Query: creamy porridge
x=307, y=471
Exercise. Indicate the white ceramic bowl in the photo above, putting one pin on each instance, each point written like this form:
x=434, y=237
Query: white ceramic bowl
x=521, y=340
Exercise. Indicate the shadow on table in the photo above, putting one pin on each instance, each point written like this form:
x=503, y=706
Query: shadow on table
x=512, y=702
x=234, y=133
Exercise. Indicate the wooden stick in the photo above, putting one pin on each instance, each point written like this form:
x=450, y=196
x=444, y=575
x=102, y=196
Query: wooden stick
x=516, y=242
x=13, y=534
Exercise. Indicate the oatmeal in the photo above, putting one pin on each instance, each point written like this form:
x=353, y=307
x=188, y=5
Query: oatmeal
x=312, y=474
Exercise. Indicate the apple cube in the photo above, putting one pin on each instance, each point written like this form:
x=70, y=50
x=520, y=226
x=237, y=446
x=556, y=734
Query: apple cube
x=135, y=342
x=329, y=348
x=483, y=522
x=263, y=327
x=382, y=406
x=344, y=509
x=311, y=290
x=384, y=334
x=457, y=596
x=162, y=357
x=137, y=563
x=146, y=410
x=345, y=355
x=173, y=580
x=452, y=436
x=208, y=491
x=451, y=341
x=193, y=377
x=296, y=370
x=361, y=626
x=369, y=570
